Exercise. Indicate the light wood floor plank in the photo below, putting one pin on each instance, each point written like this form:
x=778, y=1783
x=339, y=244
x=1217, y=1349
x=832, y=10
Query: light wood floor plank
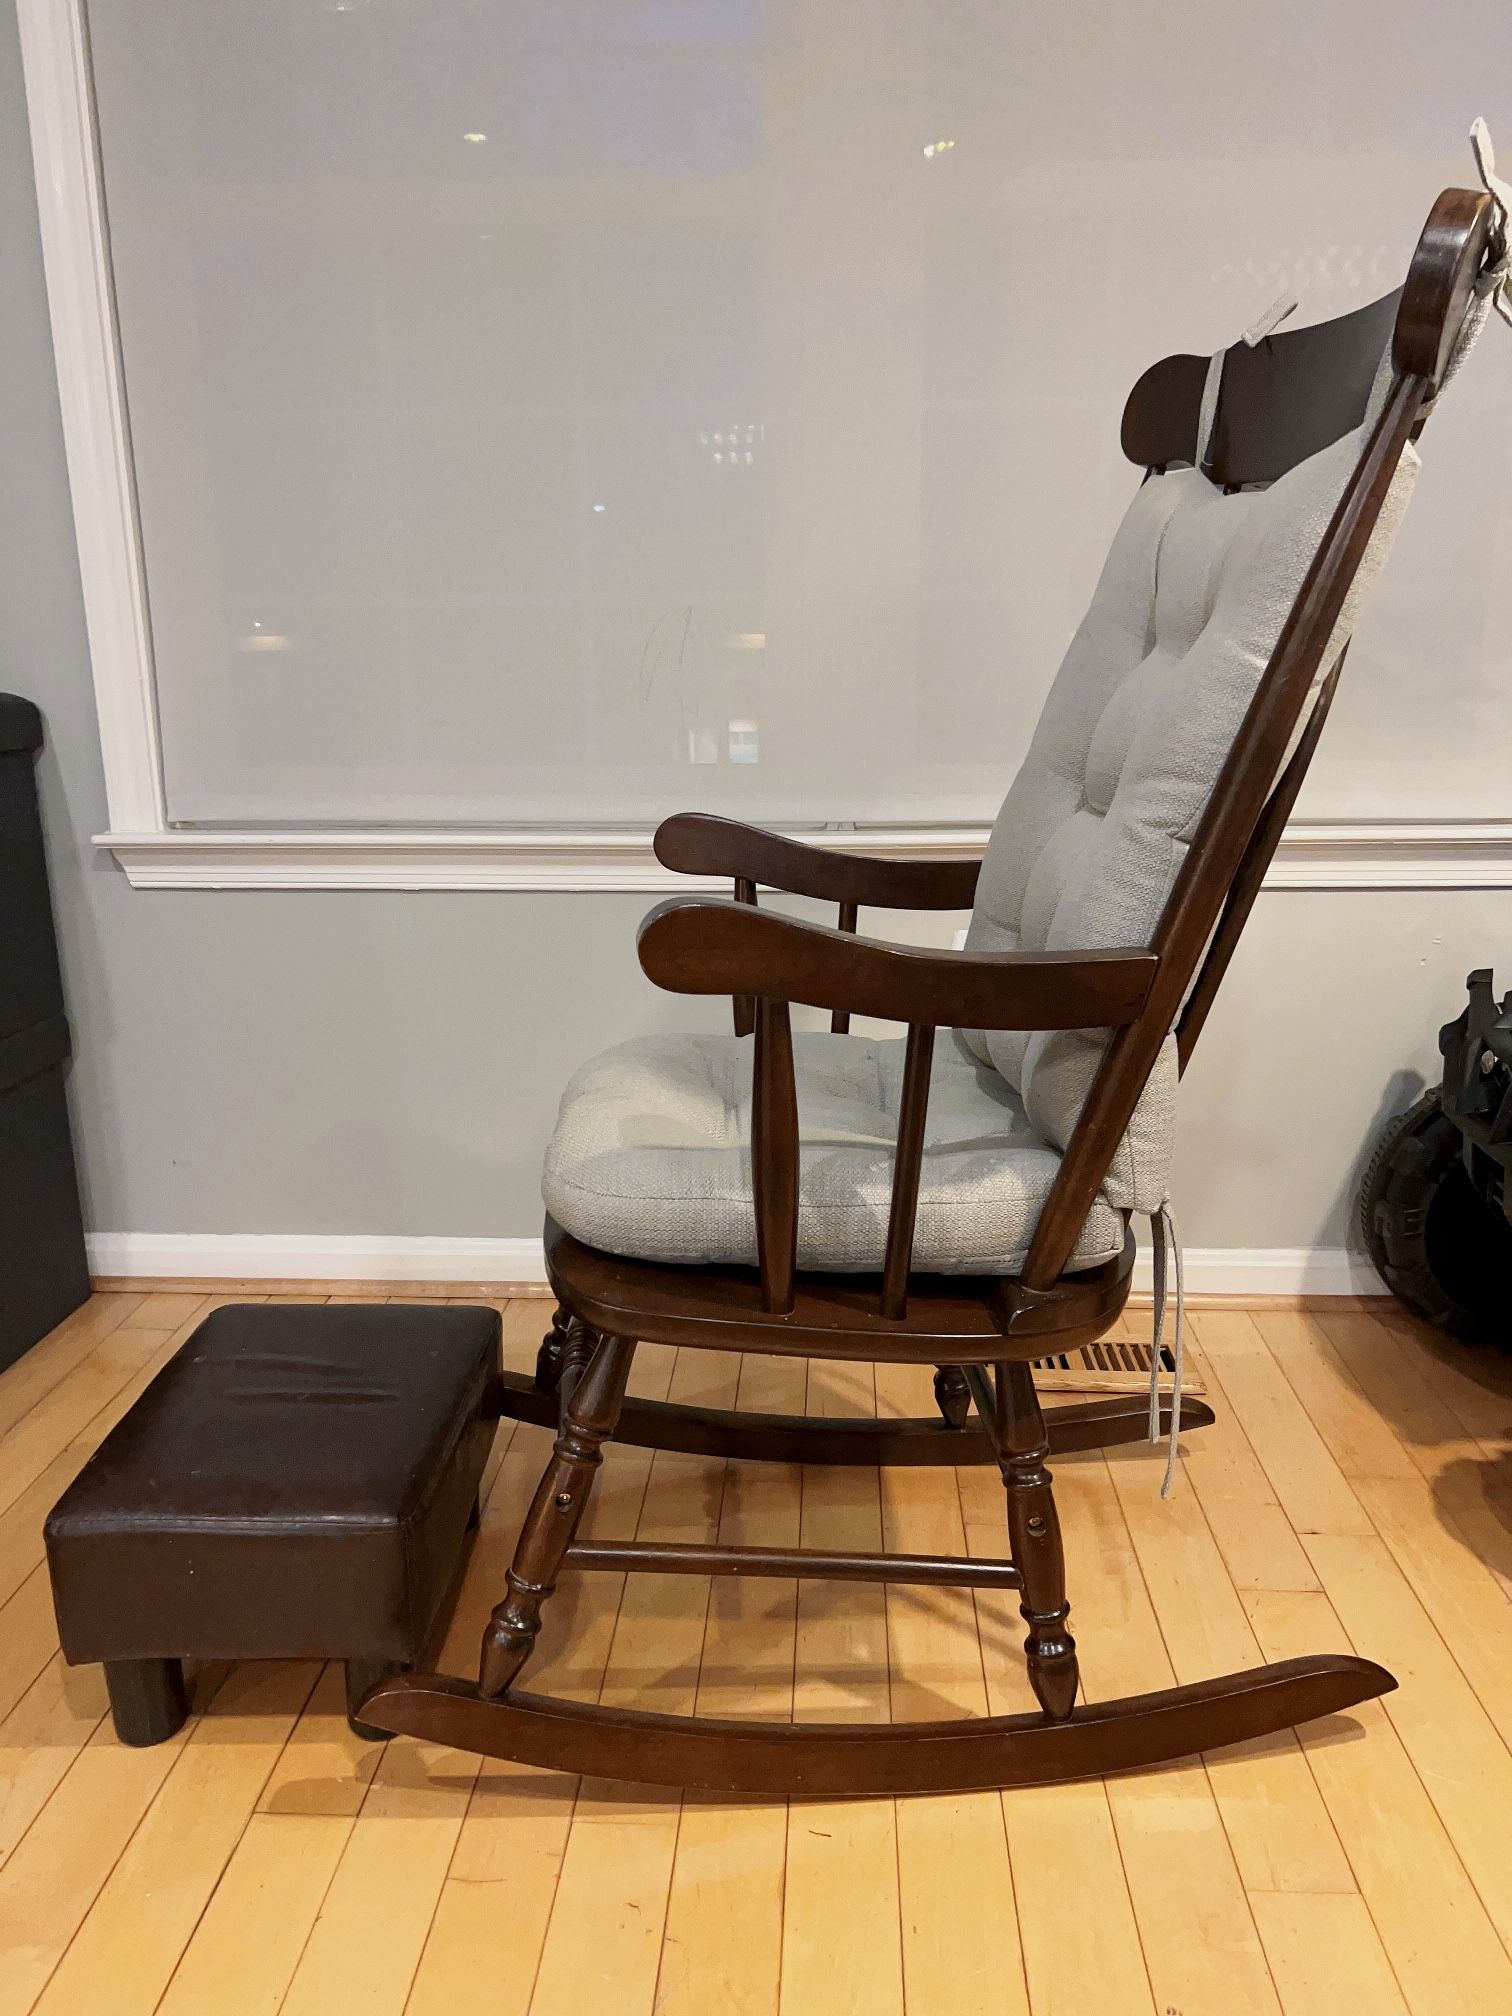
x=60, y=1415
x=1198, y=1934
x=1442, y=1946
x=1281, y=1834
x=1473, y=1380
x=323, y=1770
x=484, y=1944
x=1326, y=1955
x=1080, y=1960
x=1400, y=1385
x=41, y=1738
x=955, y=1882
x=171, y=1310
x=21, y=1547
x=58, y=1869
x=1077, y=1961
x=1257, y=1540
x=367, y=1941
x=842, y=1855
x=373, y=1920
x=1462, y=1761
x=723, y=1943
x=1359, y=1440
x=247, y=1945
x=1462, y=1595
x=1259, y=1546
x=59, y=1864
x=617, y=1870
x=28, y=1637
x=124, y=1954
x=1470, y=1477
x=39, y=1370
x=1293, y=1454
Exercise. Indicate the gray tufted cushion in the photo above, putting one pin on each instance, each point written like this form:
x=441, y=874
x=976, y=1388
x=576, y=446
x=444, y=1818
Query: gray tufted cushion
x=651, y=1154
x=652, y=1157
x=1132, y=737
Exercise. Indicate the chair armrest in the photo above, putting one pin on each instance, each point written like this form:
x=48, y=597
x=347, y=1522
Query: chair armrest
x=701, y=946
x=700, y=843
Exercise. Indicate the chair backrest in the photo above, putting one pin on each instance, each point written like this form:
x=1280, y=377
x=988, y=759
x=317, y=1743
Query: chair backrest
x=1179, y=727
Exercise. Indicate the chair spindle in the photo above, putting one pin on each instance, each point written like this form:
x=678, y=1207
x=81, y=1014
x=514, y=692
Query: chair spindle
x=744, y=1005
x=840, y=1020
x=907, y=1163
x=774, y=1154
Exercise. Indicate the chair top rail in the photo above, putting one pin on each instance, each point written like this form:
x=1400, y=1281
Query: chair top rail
x=1282, y=399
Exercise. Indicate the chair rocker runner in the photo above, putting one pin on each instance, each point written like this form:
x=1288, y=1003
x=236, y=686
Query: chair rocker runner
x=962, y=1198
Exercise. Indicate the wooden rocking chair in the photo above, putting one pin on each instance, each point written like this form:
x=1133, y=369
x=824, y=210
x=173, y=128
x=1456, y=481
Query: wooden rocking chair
x=1171, y=750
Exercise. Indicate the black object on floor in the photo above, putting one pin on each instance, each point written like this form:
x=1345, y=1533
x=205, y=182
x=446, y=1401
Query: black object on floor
x=1436, y=1203
x=43, y=1272
x=300, y=1482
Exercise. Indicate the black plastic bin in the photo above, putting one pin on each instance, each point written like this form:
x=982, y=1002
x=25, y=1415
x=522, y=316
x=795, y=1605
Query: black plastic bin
x=43, y=1271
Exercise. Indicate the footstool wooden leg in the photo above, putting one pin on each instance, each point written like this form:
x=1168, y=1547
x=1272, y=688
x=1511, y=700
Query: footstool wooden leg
x=147, y=1699
x=362, y=1676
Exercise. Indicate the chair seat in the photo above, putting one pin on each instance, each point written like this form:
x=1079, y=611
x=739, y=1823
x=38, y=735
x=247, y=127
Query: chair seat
x=651, y=1158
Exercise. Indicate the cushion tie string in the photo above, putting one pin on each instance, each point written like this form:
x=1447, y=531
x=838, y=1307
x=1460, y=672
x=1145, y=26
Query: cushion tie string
x=1496, y=278
x=1262, y=326
x=1166, y=1241
x=1271, y=320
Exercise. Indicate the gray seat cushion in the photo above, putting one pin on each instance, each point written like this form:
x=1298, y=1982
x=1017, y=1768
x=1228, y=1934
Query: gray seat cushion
x=652, y=1157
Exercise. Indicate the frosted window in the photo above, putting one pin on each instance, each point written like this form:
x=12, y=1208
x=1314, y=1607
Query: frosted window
x=570, y=411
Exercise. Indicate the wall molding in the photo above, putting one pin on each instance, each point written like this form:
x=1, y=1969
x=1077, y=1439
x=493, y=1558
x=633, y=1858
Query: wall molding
x=1254, y=1271
x=1317, y=854
x=518, y=858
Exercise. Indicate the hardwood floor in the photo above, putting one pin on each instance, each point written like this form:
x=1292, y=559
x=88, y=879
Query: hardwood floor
x=1356, y=1492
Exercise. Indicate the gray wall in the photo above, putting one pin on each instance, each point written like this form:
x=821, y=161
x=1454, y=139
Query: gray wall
x=388, y=1063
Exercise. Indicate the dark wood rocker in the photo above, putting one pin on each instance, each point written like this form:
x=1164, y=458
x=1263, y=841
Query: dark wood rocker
x=1280, y=403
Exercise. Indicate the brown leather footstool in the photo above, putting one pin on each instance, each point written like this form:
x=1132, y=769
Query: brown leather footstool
x=300, y=1482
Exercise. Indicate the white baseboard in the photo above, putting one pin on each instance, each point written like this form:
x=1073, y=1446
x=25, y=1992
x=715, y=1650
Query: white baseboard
x=280, y=1256
x=1269, y=1270
x=317, y=1256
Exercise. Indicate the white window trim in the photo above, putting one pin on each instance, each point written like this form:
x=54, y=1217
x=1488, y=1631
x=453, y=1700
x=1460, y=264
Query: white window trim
x=1332, y=854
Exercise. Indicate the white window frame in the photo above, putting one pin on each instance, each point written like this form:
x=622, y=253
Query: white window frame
x=1328, y=854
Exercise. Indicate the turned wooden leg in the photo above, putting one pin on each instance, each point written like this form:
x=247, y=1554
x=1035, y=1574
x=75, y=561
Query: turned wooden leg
x=548, y=1365
x=362, y=1676
x=564, y=1354
x=952, y=1391
x=147, y=1699
x=1018, y=1433
x=561, y=1497
x=577, y=1355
